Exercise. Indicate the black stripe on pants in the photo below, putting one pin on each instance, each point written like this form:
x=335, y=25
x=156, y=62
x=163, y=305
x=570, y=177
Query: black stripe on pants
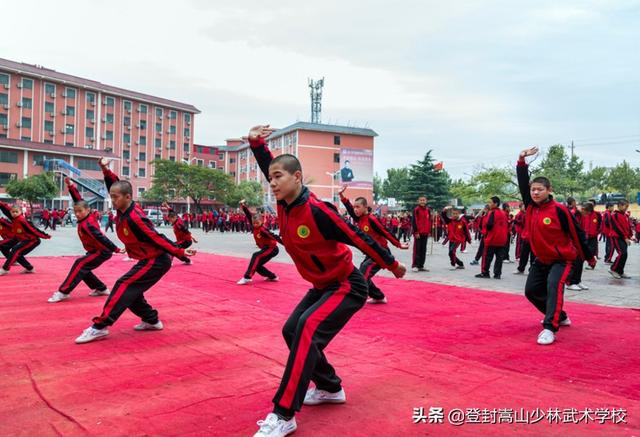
x=480, y=250
x=608, y=249
x=419, y=251
x=489, y=253
x=576, y=272
x=259, y=259
x=526, y=255
x=319, y=316
x=82, y=270
x=453, y=258
x=369, y=268
x=620, y=246
x=5, y=248
x=128, y=292
x=18, y=252
x=545, y=290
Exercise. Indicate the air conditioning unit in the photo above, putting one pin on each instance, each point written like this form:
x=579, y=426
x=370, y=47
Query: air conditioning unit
x=138, y=110
x=63, y=112
x=5, y=126
x=104, y=120
x=62, y=131
x=137, y=159
x=168, y=131
x=168, y=147
x=92, y=103
x=52, y=95
x=52, y=114
x=91, y=139
x=92, y=121
x=6, y=86
x=18, y=124
x=138, y=125
x=169, y=116
x=19, y=104
x=19, y=85
x=64, y=94
x=188, y=123
x=5, y=106
x=50, y=132
x=104, y=137
x=128, y=111
x=160, y=133
x=128, y=161
x=137, y=143
x=127, y=144
x=128, y=127
x=187, y=137
x=88, y=146
x=104, y=101
x=108, y=149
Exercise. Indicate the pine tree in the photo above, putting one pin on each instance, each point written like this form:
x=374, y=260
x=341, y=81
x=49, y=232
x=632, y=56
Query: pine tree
x=424, y=180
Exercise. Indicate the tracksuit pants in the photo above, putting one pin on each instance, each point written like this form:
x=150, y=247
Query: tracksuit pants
x=184, y=245
x=576, y=273
x=453, y=258
x=480, y=250
x=369, y=268
x=420, y=250
x=526, y=255
x=17, y=253
x=545, y=290
x=128, y=292
x=608, y=249
x=319, y=316
x=592, y=243
x=620, y=247
x=487, y=258
x=258, y=260
x=82, y=270
x=5, y=248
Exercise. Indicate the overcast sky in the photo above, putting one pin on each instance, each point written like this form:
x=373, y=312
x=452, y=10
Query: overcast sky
x=473, y=80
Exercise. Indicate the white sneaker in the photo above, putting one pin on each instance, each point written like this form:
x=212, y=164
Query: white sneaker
x=623, y=276
x=611, y=272
x=243, y=281
x=273, y=426
x=372, y=300
x=144, y=326
x=583, y=286
x=276, y=279
x=414, y=269
x=57, y=297
x=546, y=336
x=91, y=334
x=574, y=287
x=565, y=322
x=4, y=272
x=317, y=397
x=95, y=293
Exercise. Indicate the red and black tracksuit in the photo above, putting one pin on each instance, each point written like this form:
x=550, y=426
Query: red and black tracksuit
x=523, y=248
x=556, y=240
x=370, y=225
x=421, y=223
x=184, y=239
x=458, y=234
x=99, y=249
x=479, y=225
x=268, y=244
x=316, y=238
x=151, y=249
x=496, y=233
x=26, y=237
x=621, y=232
x=608, y=234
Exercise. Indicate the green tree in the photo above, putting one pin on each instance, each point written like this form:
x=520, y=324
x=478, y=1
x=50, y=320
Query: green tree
x=496, y=181
x=377, y=187
x=251, y=191
x=596, y=181
x=424, y=180
x=465, y=192
x=179, y=180
x=555, y=167
x=575, y=177
x=624, y=179
x=396, y=183
x=33, y=188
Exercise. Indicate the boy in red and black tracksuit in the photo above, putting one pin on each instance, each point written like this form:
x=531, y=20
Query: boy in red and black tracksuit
x=6, y=232
x=370, y=225
x=184, y=239
x=268, y=244
x=591, y=223
x=26, y=237
x=315, y=237
x=421, y=224
x=556, y=240
x=496, y=233
x=150, y=248
x=608, y=233
x=457, y=233
x=523, y=248
x=99, y=249
x=621, y=238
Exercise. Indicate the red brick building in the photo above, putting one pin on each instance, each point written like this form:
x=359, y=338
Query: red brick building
x=48, y=115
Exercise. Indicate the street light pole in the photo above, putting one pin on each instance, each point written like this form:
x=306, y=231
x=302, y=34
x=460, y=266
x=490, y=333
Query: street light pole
x=333, y=178
x=188, y=162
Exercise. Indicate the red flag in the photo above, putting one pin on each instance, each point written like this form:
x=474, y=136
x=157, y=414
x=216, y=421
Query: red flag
x=438, y=166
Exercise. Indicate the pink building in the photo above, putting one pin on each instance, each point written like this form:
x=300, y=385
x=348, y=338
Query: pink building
x=46, y=115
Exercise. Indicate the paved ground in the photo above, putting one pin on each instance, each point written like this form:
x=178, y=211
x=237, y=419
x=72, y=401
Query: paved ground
x=603, y=290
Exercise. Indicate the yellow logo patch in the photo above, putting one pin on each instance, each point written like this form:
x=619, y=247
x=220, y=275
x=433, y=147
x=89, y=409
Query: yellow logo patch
x=303, y=231
x=125, y=231
x=365, y=228
x=459, y=226
x=595, y=220
x=259, y=236
x=19, y=231
x=546, y=220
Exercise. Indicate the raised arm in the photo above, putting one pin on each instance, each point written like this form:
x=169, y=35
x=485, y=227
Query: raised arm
x=32, y=229
x=144, y=229
x=6, y=209
x=522, y=172
x=347, y=204
x=246, y=211
x=73, y=191
x=258, y=141
x=109, y=177
x=445, y=217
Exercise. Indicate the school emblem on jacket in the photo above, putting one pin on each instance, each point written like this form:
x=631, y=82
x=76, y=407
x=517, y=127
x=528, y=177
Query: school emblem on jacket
x=19, y=231
x=125, y=231
x=546, y=220
x=459, y=226
x=365, y=228
x=303, y=231
x=595, y=220
x=259, y=236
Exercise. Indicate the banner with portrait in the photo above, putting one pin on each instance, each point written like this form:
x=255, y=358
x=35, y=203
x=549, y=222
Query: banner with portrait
x=356, y=168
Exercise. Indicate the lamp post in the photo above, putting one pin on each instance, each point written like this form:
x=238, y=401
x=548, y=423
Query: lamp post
x=333, y=178
x=188, y=162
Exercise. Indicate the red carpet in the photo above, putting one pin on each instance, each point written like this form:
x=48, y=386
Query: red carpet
x=215, y=367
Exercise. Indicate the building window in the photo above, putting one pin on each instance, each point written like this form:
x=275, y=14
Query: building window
x=4, y=99
x=172, y=129
x=157, y=156
x=158, y=127
x=232, y=160
x=336, y=140
x=158, y=142
x=109, y=118
x=187, y=132
x=142, y=108
x=127, y=121
x=142, y=156
x=140, y=191
x=143, y=141
x=110, y=101
x=233, y=173
x=69, y=128
x=71, y=110
x=27, y=103
x=48, y=141
x=91, y=115
x=3, y=120
x=109, y=135
x=221, y=155
x=212, y=164
x=26, y=122
x=143, y=124
x=172, y=115
x=27, y=84
x=69, y=144
x=126, y=154
x=4, y=79
x=127, y=106
x=25, y=138
x=48, y=126
x=172, y=158
x=126, y=138
x=172, y=145
x=48, y=107
x=87, y=164
x=88, y=132
x=199, y=149
x=8, y=156
x=91, y=98
x=5, y=178
x=336, y=158
x=187, y=118
x=71, y=93
x=142, y=172
x=158, y=112
x=185, y=147
x=200, y=162
x=39, y=159
x=125, y=171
